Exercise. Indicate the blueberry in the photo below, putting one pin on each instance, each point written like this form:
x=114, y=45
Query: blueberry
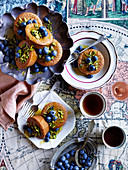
x=72, y=152
x=52, y=113
x=81, y=152
x=59, y=164
x=56, y=129
x=42, y=29
x=67, y=165
x=54, y=118
x=44, y=69
x=45, y=33
x=34, y=21
x=82, y=161
x=5, y=42
x=1, y=46
x=17, y=55
x=45, y=50
x=17, y=49
x=7, y=53
x=29, y=21
x=62, y=167
x=23, y=24
x=40, y=51
x=36, y=65
x=80, y=48
x=48, y=135
x=89, y=76
x=85, y=156
x=94, y=58
x=29, y=130
x=13, y=62
x=46, y=20
x=88, y=159
x=71, y=167
x=6, y=58
x=19, y=32
x=85, y=166
x=75, y=64
x=82, y=168
x=47, y=58
x=88, y=163
x=88, y=60
x=67, y=155
x=77, y=51
x=25, y=127
x=46, y=139
x=62, y=158
x=53, y=53
x=76, y=168
x=91, y=68
x=6, y=49
x=92, y=47
x=72, y=163
x=11, y=50
x=57, y=168
x=48, y=119
x=66, y=161
x=36, y=70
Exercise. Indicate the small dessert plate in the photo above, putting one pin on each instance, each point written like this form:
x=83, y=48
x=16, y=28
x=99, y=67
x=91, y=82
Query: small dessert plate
x=67, y=128
x=79, y=80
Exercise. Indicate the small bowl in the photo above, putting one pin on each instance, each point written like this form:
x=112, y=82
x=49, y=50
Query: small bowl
x=90, y=115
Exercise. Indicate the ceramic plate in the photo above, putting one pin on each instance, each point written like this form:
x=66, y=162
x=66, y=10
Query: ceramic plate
x=59, y=31
x=79, y=81
x=90, y=148
x=67, y=128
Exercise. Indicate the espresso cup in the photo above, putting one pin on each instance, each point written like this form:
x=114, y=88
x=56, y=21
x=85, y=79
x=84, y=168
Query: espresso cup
x=92, y=104
x=113, y=137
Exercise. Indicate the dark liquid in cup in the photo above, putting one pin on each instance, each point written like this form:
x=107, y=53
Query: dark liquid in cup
x=92, y=104
x=113, y=136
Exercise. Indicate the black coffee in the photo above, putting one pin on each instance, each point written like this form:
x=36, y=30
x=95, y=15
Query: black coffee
x=114, y=136
x=92, y=104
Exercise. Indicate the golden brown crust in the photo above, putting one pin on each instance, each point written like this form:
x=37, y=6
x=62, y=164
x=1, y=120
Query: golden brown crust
x=30, y=61
x=83, y=67
x=56, y=59
x=57, y=106
x=27, y=15
x=33, y=40
x=40, y=122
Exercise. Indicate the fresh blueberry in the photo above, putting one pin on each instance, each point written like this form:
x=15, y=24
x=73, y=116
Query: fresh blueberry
x=76, y=168
x=82, y=168
x=11, y=50
x=62, y=167
x=72, y=152
x=67, y=165
x=42, y=29
x=89, y=76
x=82, y=161
x=29, y=130
x=71, y=167
x=5, y=42
x=45, y=50
x=52, y=113
x=59, y=164
x=67, y=155
x=46, y=139
x=53, y=53
x=6, y=49
x=29, y=21
x=88, y=163
x=44, y=69
x=7, y=53
x=85, y=166
x=6, y=58
x=25, y=127
x=48, y=134
x=40, y=51
x=46, y=20
x=17, y=49
x=80, y=48
x=13, y=62
x=94, y=58
x=56, y=129
x=81, y=152
x=34, y=21
x=88, y=60
x=57, y=168
x=23, y=24
x=84, y=156
x=17, y=55
x=36, y=70
x=88, y=159
x=92, y=47
x=77, y=51
x=19, y=32
x=1, y=46
x=75, y=64
x=36, y=65
x=66, y=161
x=48, y=119
x=62, y=158
x=54, y=118
x=45, y=33
x=47, y=58
x=72, y=163
x=91, y=68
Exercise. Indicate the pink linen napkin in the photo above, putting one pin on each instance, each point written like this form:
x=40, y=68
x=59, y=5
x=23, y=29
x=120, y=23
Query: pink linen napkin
x=13, y=94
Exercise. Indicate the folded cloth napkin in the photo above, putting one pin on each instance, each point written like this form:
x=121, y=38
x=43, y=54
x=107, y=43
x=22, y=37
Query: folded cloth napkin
x=13, y=94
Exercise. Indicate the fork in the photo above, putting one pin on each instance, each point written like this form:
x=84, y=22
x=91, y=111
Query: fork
x=75, y=54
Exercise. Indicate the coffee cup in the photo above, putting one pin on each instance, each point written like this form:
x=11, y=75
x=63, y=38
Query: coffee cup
x=113, y=137
x=92, y=104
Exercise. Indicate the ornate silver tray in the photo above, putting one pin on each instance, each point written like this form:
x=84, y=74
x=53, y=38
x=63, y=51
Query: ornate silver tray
x=59, y=31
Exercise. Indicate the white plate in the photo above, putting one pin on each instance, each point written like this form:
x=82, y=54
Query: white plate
x=110, y=58
x=67, y=128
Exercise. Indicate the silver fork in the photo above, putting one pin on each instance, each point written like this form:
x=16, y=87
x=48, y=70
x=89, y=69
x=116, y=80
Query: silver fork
x=75, y=55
